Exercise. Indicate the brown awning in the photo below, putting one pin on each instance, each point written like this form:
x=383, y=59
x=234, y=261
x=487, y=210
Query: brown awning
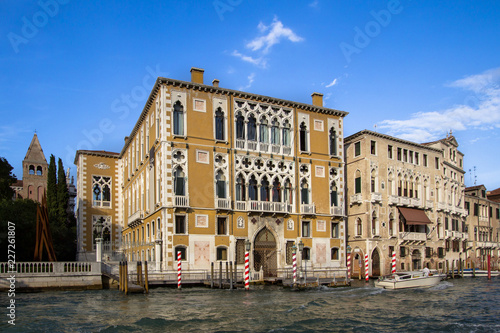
x=414, y=216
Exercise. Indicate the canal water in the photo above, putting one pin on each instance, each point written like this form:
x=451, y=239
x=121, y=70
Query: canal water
x=461, y=305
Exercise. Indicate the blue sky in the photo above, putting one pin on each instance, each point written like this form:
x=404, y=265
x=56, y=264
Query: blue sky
x=79, y=72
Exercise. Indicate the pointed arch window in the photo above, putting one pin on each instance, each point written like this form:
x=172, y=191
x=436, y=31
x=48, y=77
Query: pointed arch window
x=288, y=191
x=333, y=142
x=286, y=135
x=240, y=127
x=252, y=128
x=303, y=137
x=220, y=185
x=276, y=190
x=264, y=190
x=240, y=188
x=275, y=132
x=252, y=189
x=101, y=191
x=179, y=182
x=359, y=227
x=220, y=132
x=263, y=131
x=178, y=118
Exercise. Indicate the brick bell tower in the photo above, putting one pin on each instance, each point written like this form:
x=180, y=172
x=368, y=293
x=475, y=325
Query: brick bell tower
x=35, y=168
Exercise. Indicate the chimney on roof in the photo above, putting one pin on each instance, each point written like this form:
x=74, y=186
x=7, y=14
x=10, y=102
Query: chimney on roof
x=197, y=75
x=317, y=99
x=215, y=83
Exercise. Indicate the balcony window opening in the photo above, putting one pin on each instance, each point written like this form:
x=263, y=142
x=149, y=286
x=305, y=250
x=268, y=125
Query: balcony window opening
x=252, y=189
x=357, y=182
x=179, y=182
x=276, y=190
x=240, y=188
x=220, y=185
x=303, y=137
x=373, y=187
x=219, y=125
x=374, y=225
x=275, y=132
x=221, y=225
x=333, y=195
x=180, y=224
x=333, y=142
x=304, y=192
x=252, y=129
x=240, y=127
x=178, y=118
x=263, y=131
x=405, y=155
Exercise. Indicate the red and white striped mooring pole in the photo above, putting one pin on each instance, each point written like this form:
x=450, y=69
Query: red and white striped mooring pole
x=247, y=271
x=366, y=267
x=349, y=265
x=179, y=270
x=393, y=262
x=294, y=260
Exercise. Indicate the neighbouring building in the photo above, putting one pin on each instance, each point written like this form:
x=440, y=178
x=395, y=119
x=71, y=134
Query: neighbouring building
x=404, y=197
x=483, y=222
x=206, y=169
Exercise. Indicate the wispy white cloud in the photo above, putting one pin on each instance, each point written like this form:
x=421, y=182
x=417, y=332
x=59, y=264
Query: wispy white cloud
x=276, y=32
x=334, y=82
x=314, y=4
x=250, y=78
x=480, y=110
x=259, y=62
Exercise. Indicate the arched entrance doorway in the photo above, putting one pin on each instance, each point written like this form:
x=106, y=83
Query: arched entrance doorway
x=375, y=263
x=264, y=254
x=416, y=260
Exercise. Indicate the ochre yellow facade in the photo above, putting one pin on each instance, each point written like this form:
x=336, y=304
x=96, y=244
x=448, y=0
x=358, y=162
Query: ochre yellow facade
x=206, y=169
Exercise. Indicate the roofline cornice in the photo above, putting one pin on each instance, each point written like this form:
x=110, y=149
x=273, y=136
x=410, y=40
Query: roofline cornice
x=223, y=91
x=95, y=153
x=388, y=137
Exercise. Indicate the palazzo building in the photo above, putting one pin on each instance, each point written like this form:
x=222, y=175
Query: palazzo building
x=484, y=228
x=404, y=197
x=206, y=169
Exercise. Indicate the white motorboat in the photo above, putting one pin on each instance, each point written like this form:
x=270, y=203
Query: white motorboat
x=413, y=279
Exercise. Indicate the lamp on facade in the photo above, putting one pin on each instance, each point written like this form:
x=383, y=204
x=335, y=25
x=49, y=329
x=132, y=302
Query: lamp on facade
x=248, y=245
x=98, y=240
x=348, y=249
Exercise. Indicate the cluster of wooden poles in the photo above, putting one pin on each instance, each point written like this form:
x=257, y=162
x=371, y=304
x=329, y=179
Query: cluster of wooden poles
x=142, y=281
x=231, y=276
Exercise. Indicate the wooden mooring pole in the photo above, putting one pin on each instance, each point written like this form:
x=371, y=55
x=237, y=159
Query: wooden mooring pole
x=231, y=275
x=146, y=282
x=125, y=276
x=220, y=274
x=212, y=276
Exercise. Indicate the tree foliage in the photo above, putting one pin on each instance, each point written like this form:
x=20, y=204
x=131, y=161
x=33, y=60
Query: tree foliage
x=21, y=212
x=6, y=179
